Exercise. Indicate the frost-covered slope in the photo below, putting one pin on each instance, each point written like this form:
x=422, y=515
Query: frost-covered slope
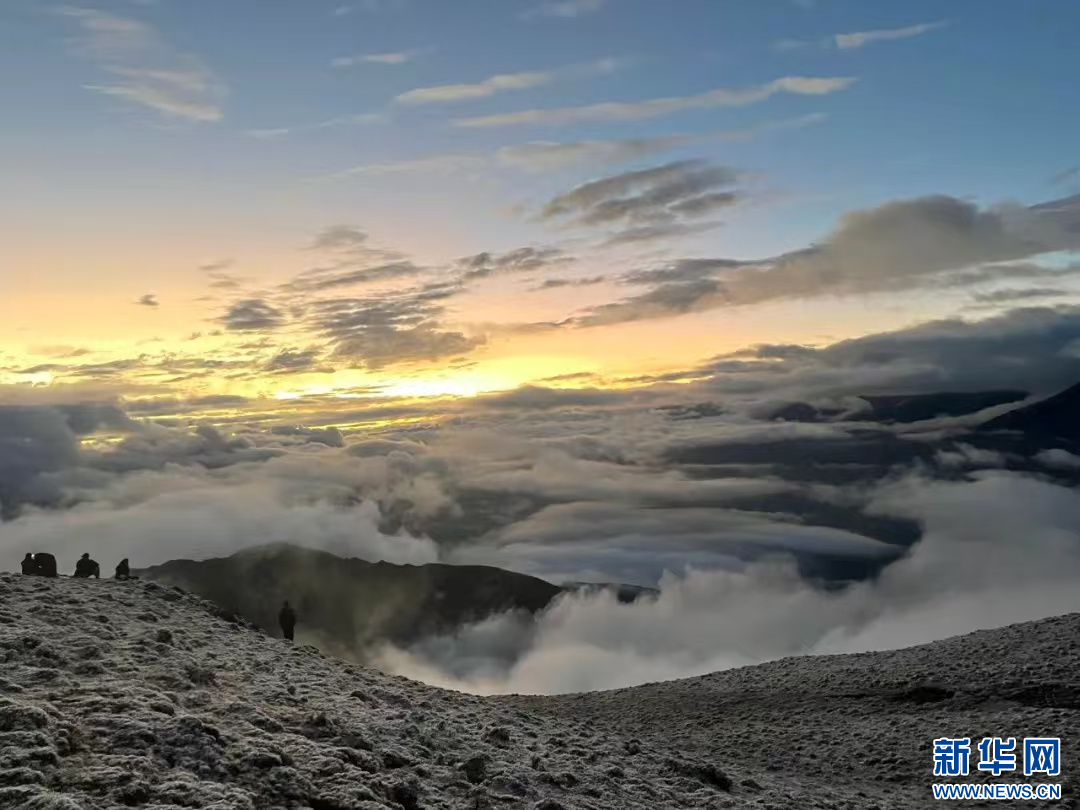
x=130, y=694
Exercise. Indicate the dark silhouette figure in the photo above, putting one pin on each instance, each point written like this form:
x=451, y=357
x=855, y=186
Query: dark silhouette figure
x=287, y=620
x=29, y=564
x=86, y=567
x=123, y=571
x=46, y=564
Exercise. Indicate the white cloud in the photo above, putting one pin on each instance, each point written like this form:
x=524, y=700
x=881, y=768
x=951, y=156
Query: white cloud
x=388, y=58
x=503, y=83
x=148, y=70
x=860, y=38
x=654, y=108
x=998, y=549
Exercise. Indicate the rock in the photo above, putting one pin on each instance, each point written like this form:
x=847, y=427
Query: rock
x=497, y=736
x=475, y=769
x=702, y=771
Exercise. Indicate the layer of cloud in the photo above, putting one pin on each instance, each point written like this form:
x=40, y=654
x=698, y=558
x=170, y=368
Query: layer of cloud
x=146, y=69
x=654, y=108
x=999, y=548
x=935, y=241
x=503, y=83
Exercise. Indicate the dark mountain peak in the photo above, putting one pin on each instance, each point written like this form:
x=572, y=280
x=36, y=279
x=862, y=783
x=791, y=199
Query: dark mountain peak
x=353, y=602
x=1056, y=418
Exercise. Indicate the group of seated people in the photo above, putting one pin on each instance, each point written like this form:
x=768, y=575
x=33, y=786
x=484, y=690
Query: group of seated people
x=43, y=564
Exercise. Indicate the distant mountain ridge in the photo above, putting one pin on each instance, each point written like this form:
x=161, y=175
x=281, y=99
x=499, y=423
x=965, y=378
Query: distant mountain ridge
x=353, y=603
x=1056, y=418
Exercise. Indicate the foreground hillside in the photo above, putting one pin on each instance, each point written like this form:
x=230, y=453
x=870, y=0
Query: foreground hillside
x=131, y=694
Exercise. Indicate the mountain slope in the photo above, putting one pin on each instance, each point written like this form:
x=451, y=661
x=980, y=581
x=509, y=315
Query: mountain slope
x=120, y=694
x=1052, y=420
x=352, y=602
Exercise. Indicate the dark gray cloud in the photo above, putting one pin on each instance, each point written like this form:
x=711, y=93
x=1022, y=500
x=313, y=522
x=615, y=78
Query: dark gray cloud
x=522, y=260
x=324, y=279
x=553, y=283
x=936, y=242
x=331, y=437
x=380, y=331
x=148, y=301
x=658, y=198
x=289, y=360
x=665, y=300
x=252, y=314
x=1022, y=294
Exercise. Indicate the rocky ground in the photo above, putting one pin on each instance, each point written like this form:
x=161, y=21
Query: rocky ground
x=131, y=694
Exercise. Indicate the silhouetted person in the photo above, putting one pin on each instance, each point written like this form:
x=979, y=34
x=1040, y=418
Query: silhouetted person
x=123, y=571
x=86, y=567
x=287, y=620
x=46, y=564
x=29, y=564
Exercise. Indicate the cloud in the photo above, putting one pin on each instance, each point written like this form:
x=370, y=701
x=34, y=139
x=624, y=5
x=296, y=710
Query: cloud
x=861, y=38
x=252, y=314
x=566, y=8
x=647, y=204
x=388, y=58
x=292, y=360
x=432, y=164
x=389, y=329
x=148, y=301
x=503, y=83
x=1023, y=294
x=654, y=108
x=554, y=283
x=359, y=119
x=522, y=260
x=366, y=275
x=998, y=549
x=935, y=241
x=907, y=243
x=148, y=71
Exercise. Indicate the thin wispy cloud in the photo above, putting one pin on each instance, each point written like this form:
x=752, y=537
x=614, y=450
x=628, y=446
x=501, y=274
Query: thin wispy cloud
x=432, y=164
x=859, y=39
x=363, y=119
x=146, y=69
x=505, y=82
x=388, y=58
x=654, y=108
x=566, y=8
x=543, y=156
x=547, y=156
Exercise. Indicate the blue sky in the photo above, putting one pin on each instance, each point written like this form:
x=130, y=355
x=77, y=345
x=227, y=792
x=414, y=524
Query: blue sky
x=153, y=136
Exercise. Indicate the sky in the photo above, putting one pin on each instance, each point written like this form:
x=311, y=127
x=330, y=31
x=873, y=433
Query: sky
x=532, y=284
x=379, y=196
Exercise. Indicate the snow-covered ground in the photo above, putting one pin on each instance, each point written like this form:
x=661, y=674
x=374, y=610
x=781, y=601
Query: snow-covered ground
x=130, y=694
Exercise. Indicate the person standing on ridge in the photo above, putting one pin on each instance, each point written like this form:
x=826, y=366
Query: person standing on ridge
x=86, y=567
x=287, y=620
